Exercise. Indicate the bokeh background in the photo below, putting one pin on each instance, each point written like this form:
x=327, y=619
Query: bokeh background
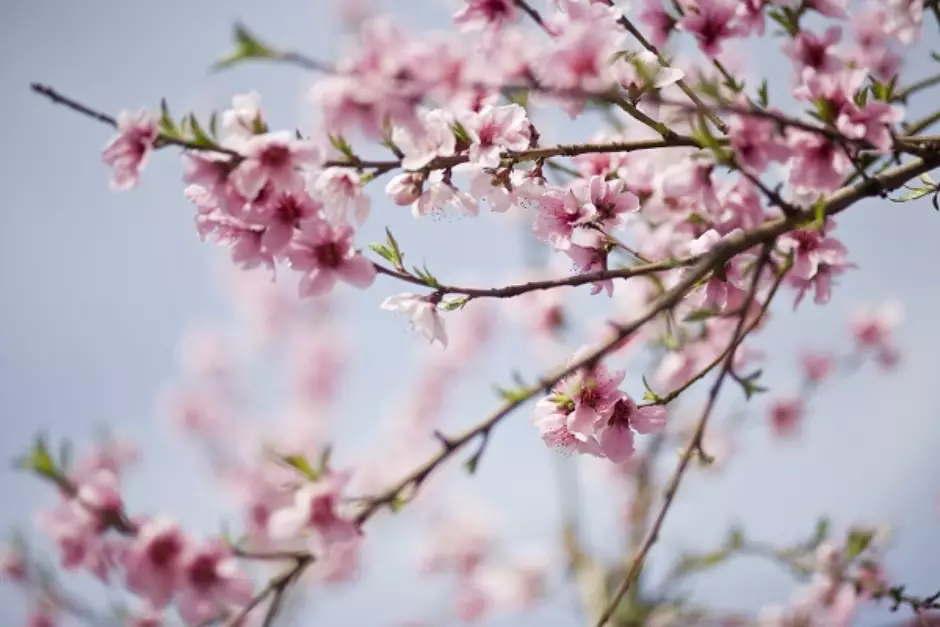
x=97, y=289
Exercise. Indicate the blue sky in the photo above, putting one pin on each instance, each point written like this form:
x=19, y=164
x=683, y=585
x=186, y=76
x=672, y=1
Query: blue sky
x=98, y=288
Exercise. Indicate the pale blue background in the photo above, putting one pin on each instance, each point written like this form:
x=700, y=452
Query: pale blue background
x=97, y=288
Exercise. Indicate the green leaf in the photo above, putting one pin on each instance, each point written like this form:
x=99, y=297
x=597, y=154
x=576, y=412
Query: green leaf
x=300, y=463
x=397, y=503
x=749, y=384
x=40, y=460
x=425, y=275
x=214, y=124
x=454, y=304
x=762, y=96
x=471, y=464
x=383, y=252
x=925, y=178
x=167, y=126
x=821, y=532
x=857, y=541
x=512, y=395
x=649, y=394
x=919, y=192
x=460, y=132
x=735, y=540
x=339, y=142
x=199, y=135
x=247, y=47
x=700, y=315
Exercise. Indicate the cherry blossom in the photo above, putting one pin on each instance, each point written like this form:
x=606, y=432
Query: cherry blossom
x=494, y=129
x=325, y=253
x=127, y=153
x=422, y=314
x=211, y=579
x=313, y=513
x=275, y=158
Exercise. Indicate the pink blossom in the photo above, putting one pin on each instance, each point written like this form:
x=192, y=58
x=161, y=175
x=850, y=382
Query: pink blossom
x=495, y=129
x=829, y=8
x=816, y=259
x=660, y=23
x=757, y=143
x=586, y=259
x=786, y=415
x=324, y=253
x=873, y=329
x=559, y=213
x=75, y=531
x=12, y=564
x=816, y=366
x=341, y=190
x=434, y=138
x=615, y=437
x=245, y=118
x=818, y=163
x=422, y=314
x=606, y=201
x=711, y=23
x=212, y=580
x=477, y=13
x=127, y=152
x=405, y=188
x=277, y=214
x=873, y=123
x=580, y=59
x=314, y=514
x=458, y=542
x=153, y=562
x=145, y=617
x=817, y=53
x=751, y=14
x=275, y=158
x=43, y=616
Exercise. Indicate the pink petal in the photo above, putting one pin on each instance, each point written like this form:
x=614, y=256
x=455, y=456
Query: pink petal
x=650, y=419
x=357, y=271
x=617, y=444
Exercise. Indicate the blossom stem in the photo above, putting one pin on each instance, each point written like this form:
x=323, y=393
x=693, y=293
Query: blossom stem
x=695, y=444
x=681, y=84
x=510, y=291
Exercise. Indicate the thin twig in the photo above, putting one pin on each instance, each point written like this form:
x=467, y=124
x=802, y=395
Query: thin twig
x=695, y=444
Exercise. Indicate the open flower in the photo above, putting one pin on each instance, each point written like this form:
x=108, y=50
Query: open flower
x=325, y=253
x=422, y=313
x=127, y=152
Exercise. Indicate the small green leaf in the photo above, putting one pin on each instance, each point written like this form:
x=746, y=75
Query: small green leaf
x=339, y=142
x=735, y=540
x=199, y=135
x=383, y=252
x=397, y=503
x=857, y=541
x=167, y=126
x=471, y=464
x=649, y=394
x=247, y=47
x=821, y=532
x=763, y=97
x=700, y=315
x=510, y=395
x=455, y=303
x=214, y=124
x=925, y=177
x=914, y=194
x=300, y=463
x=460, y=132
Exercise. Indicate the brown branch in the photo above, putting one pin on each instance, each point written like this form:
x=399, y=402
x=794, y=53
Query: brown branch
x=695, y=444
x=681, y=84
x=510, y=291
x=720, y=254
x=532, y=13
